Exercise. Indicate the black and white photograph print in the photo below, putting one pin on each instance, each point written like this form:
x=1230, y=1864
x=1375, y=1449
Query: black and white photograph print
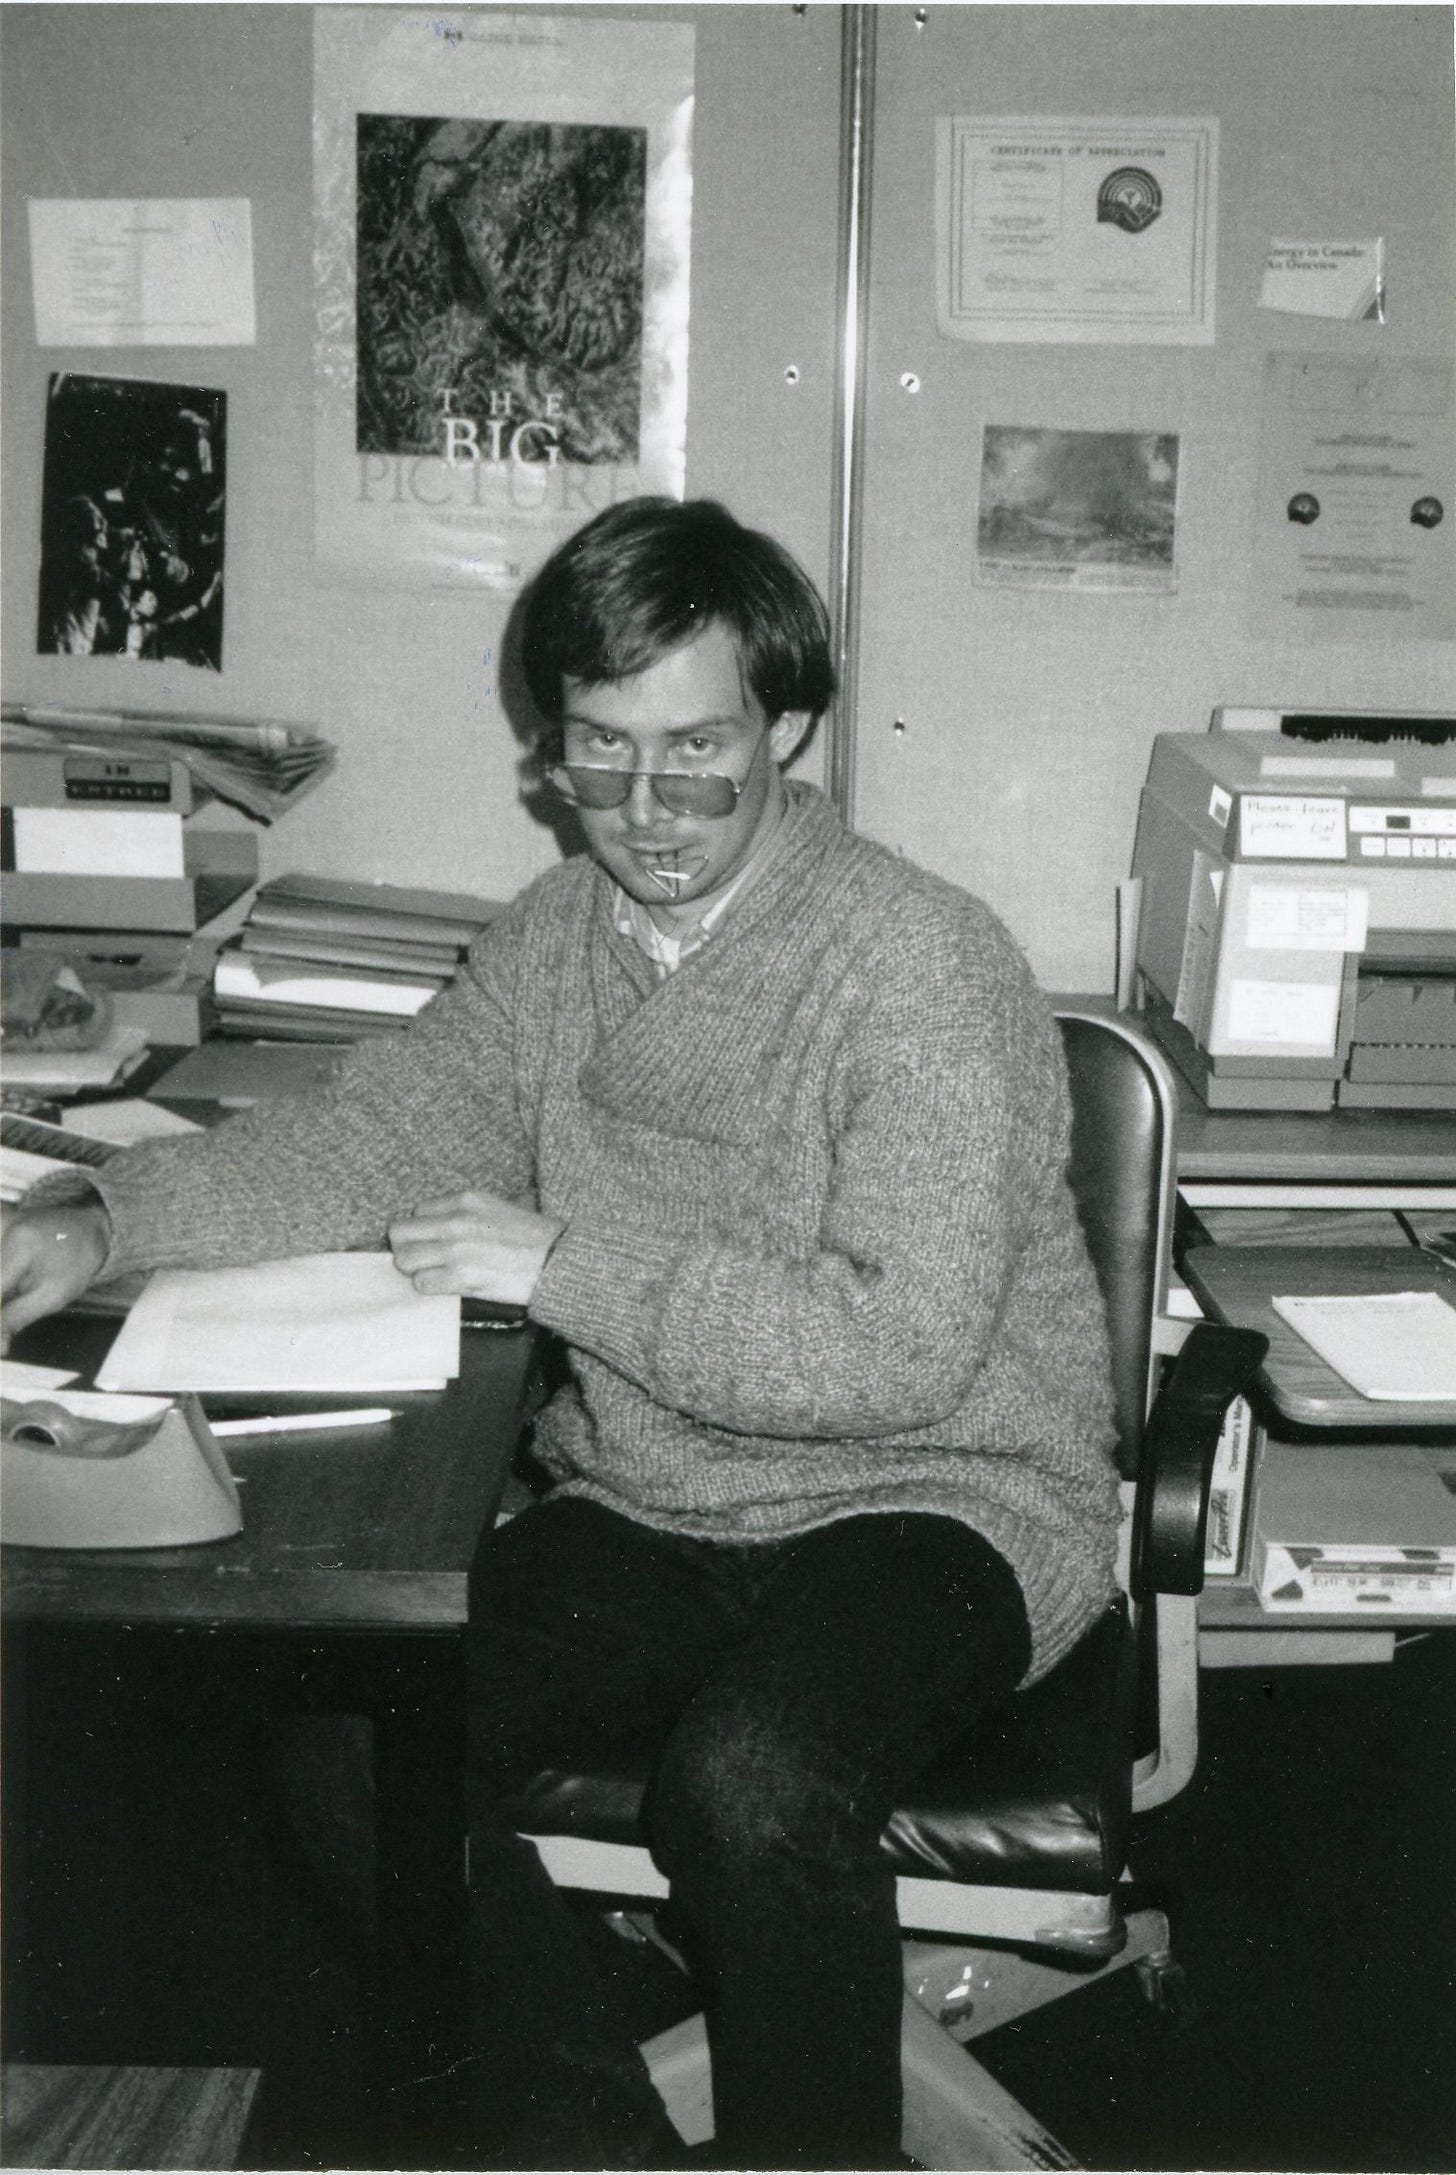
x=500, y=280
x=132, y=520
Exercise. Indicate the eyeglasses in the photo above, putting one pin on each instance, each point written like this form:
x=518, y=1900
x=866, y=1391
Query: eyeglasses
x=683, y=792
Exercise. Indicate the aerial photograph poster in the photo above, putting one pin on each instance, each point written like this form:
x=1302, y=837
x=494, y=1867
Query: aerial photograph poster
x=1077, y=509
x=132, y=513
x=501, y=271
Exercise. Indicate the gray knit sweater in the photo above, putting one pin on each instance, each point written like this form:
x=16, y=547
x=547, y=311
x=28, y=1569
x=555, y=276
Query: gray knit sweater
x=820, y=1256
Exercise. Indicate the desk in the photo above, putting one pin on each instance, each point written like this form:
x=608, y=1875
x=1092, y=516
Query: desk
x=1237, y=1284
x=1331, y=1147
x=345, y=1592
x=1323, y=1159
x=1260, y=1148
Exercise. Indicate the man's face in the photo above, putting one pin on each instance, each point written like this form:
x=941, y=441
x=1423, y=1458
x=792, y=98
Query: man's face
x=688, y=712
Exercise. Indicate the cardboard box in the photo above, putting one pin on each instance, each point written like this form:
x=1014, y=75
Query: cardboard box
x=1363, y=1529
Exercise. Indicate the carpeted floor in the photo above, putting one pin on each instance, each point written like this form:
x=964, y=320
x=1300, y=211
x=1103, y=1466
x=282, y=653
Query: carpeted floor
x=156, y=1910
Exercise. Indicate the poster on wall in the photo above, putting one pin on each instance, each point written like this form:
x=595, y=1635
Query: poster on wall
x=1356, y=497
x=1077, y=509
x=502, y=233
x=132, y=517
x=1075, y=230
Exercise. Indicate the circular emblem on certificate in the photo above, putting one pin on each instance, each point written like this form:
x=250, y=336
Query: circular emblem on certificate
x=1129, y=198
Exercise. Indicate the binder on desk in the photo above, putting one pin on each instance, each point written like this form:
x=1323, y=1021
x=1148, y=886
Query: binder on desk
x=239, y=1073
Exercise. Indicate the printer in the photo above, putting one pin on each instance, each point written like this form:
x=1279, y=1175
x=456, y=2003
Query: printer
x=1296, y=934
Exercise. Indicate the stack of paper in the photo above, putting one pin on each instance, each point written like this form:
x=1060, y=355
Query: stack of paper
x=323, y=1322
x=261, y=765
x=327, y=958
x=1395, y=1346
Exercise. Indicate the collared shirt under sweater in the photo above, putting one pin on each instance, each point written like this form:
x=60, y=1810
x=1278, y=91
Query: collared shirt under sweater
x=820, y=1256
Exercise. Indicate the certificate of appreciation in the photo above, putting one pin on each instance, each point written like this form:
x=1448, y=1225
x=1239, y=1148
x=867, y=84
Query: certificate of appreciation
x=1075, y=230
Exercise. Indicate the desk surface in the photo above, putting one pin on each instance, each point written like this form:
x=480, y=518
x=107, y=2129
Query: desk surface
x=1330, y=1147
x=364, y=1528
x=1236, y=1284
x=1339, y=1147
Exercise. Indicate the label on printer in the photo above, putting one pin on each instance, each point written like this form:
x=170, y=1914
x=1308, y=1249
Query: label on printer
x=1292, y=826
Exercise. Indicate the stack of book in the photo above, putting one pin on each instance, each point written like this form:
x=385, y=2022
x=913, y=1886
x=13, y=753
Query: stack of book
x=326, y=959
x=109, y=871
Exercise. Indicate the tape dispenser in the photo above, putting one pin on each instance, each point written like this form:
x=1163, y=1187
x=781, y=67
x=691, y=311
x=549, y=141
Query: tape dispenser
x=83, y=1469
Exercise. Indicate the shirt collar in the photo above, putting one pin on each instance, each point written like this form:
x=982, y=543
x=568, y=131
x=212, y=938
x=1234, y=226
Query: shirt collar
x=667, y=952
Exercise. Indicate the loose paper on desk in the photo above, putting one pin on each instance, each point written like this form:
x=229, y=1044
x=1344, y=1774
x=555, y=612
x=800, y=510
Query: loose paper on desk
x=323, y=1322
x=1394, y=1346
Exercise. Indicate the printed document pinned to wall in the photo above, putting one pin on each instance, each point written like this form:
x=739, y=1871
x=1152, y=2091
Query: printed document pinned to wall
x=1353, y=521
x=1077, y=230
x=142, y=271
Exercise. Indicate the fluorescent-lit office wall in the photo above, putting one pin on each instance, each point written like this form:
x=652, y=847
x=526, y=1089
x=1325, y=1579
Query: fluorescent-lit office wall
x=1027, y=717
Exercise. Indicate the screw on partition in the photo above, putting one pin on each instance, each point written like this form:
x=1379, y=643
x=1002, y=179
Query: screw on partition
x=920, y=17
x=791, y=374
x=909, y=381
x=898, y=728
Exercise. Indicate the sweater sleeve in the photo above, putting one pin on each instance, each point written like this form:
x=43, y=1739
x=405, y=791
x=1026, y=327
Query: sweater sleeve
x=427, y=1111
x=949, y=1133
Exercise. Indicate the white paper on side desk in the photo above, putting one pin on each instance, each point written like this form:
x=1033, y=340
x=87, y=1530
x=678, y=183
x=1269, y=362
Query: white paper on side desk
x=323, y=1322
x=1396, y=1346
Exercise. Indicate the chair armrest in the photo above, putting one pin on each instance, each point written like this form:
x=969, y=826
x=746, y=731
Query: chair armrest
x=1176, y=1464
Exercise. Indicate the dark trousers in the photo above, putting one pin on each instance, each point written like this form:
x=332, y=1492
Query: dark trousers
x=785, y=1693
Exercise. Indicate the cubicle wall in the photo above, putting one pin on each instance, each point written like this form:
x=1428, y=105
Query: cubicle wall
x=1028, y=715
x=1001, y=735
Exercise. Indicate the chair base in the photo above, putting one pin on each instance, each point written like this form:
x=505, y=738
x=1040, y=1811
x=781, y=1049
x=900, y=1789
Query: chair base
x=956, y=2114
x=968, y=1988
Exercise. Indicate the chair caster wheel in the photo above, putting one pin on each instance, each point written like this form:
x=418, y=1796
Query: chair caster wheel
x=1164, y=1986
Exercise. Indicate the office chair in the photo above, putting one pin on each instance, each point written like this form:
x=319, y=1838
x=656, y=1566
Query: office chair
x=1012, y=1853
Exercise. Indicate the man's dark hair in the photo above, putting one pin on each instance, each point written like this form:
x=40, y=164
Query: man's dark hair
x=648, y=575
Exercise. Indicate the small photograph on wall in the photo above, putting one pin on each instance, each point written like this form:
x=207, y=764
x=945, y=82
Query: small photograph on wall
x=1077, y=509
x=132, y=517
x=500, y=270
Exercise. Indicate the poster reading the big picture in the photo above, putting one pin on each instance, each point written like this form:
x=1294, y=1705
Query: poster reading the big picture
x=502, y=230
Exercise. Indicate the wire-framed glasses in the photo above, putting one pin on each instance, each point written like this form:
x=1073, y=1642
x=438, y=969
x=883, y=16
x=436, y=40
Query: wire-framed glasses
x=682, y=792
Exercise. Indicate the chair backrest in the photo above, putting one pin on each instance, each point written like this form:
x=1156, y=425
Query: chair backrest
x=1122, y=1174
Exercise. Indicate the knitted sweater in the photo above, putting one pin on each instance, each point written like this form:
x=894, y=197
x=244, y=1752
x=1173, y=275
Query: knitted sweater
x=820, y=1256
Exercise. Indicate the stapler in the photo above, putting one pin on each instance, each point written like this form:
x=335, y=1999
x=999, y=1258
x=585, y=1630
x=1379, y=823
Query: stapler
x=79, y=1469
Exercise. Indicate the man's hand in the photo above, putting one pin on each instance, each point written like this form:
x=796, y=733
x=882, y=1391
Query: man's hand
x=49, y=1256
x=476, y=1244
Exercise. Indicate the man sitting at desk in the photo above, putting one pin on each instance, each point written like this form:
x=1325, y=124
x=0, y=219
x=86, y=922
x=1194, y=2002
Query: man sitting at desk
x=770, y=1128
